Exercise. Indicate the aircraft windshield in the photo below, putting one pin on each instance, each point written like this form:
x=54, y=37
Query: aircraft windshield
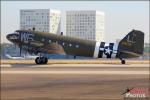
x=16, y=32
x=14, y=36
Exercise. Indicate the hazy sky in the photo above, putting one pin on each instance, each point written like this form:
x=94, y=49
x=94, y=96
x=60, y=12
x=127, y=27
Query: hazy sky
x=120, y=16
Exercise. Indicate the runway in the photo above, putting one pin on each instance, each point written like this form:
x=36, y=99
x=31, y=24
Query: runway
x=76, y=69
x=71, y=81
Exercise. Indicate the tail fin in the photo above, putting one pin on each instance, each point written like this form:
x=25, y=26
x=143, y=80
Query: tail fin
x=131, y=45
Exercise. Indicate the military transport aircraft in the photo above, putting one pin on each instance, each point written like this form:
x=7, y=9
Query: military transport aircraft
x=41, y=43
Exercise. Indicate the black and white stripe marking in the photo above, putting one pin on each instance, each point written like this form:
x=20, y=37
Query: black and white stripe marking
x=105, y=50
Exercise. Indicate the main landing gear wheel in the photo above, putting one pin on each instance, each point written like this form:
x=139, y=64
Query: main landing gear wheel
x=41, y=60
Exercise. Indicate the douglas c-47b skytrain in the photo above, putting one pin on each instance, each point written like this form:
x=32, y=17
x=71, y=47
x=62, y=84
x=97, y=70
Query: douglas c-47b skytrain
x=35, y=42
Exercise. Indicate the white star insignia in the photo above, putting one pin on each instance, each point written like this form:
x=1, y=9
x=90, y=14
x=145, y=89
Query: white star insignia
x=108, y=50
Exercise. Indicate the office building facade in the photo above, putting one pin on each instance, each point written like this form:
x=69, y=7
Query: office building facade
x=43, y=20
x=85, y=24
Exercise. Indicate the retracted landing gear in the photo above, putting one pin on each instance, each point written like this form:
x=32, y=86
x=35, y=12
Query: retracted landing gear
x=41, y=60
x=122, y=60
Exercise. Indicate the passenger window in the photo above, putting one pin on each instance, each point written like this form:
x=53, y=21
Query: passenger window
x=43, y=39
x=77, y=46
x=70, y=45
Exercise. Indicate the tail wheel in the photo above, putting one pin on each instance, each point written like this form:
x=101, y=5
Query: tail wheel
x=123, y=61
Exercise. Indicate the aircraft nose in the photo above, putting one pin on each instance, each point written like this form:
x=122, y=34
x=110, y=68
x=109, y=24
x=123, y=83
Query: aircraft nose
x=8, y=36
x=12, y=37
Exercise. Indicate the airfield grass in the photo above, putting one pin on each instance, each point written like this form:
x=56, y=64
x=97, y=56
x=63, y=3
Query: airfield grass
x=89, y=61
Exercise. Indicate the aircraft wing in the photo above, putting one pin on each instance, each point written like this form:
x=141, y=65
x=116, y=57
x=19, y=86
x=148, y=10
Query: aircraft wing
x=52, y=48
x=10, y=57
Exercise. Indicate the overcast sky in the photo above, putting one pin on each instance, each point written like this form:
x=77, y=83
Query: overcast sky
x=120, y=16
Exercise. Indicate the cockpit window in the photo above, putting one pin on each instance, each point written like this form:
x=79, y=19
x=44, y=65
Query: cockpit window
x=16, y=32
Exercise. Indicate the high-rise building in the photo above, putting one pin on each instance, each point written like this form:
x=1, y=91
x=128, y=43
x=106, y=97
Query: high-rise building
x=86, y=24
x=44, y=20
